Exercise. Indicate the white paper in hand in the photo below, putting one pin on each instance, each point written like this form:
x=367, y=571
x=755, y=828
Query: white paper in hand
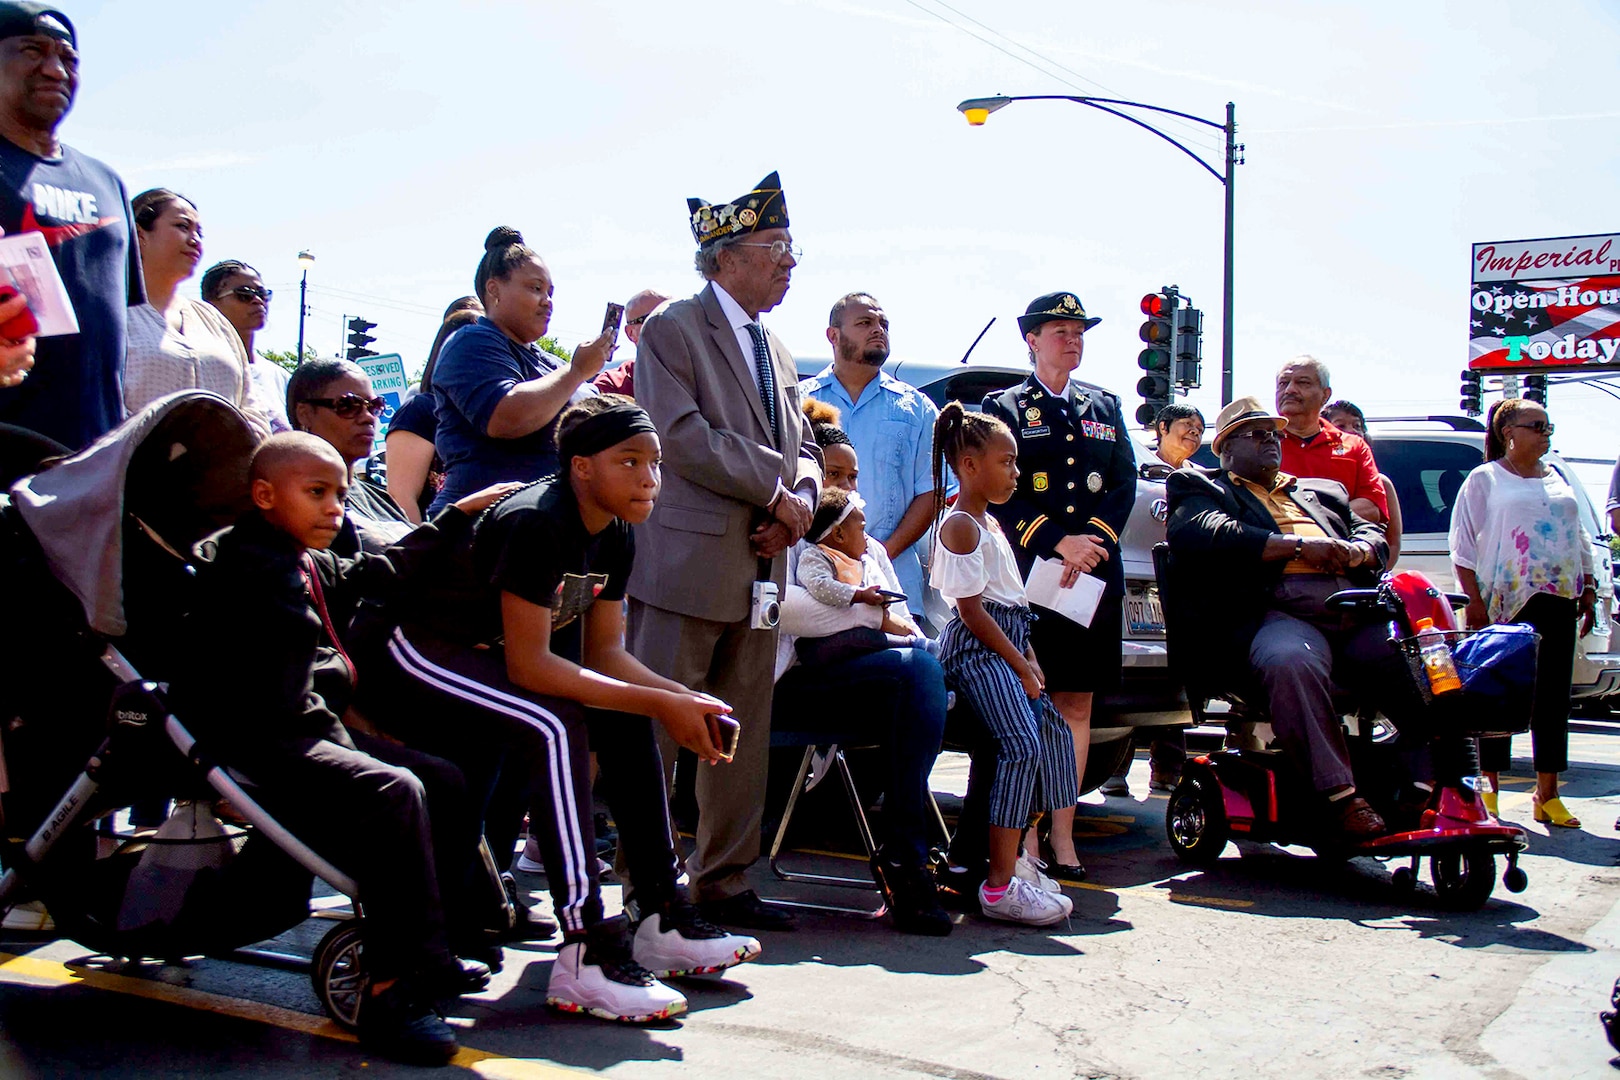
x=1078, y=602
x=26, y=263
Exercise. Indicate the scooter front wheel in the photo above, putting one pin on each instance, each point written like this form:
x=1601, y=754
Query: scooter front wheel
x=1463, y=880
x=1195, y=821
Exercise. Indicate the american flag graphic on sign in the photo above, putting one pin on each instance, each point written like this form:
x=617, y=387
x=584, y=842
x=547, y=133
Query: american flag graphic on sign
x=1563, y=321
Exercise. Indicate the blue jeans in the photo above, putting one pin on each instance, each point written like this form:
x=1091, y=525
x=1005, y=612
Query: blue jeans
x=894, y=698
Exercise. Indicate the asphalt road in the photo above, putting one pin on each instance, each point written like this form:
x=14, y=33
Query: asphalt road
x=1272, y=964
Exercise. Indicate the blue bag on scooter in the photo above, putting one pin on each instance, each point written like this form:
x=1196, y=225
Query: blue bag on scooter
x=1498, y=664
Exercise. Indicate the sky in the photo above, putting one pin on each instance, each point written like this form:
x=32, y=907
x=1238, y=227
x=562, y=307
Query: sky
x=1382, y=140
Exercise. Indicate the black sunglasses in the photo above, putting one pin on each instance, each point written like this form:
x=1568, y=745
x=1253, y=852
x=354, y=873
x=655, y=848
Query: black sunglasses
x=638, y=320
x=349, y=405
x=249, y=293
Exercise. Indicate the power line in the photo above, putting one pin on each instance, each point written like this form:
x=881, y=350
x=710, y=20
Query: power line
x=1193, y=133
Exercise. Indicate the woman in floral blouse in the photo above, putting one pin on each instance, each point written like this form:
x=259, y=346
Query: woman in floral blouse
x=1523, y=556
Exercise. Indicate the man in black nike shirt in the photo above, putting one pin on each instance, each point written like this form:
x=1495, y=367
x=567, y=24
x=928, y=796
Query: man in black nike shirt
x=74, y=391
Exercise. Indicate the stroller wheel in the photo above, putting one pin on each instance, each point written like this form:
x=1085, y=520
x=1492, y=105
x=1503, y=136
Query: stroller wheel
x=1463, y=880
x=1516, y=879
x=339, y=974
x=1195, y=821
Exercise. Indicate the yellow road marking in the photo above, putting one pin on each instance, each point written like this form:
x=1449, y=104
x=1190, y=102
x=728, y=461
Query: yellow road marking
x=1211, y=901
x=34, y=971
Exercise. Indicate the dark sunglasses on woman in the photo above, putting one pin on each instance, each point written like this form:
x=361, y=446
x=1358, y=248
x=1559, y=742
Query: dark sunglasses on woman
x=349, y=405
x=249, y=293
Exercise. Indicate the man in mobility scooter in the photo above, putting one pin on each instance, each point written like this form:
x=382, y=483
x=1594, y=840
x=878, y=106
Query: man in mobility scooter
x=1253, y=557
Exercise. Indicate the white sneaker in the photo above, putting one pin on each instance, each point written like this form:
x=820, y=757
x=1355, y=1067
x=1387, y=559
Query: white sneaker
x=28, y=916
x=683, y=943
x=619, y=990
x=1032, y=870
x=1024, y=903
x=528, y=859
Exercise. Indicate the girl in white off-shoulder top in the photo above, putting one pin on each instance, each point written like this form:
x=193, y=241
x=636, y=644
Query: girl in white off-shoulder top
x=987, y=658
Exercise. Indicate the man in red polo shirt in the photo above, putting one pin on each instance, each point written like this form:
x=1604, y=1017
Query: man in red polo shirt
x=1312, y=447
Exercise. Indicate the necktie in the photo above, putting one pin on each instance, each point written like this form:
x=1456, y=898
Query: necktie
x=767, y=376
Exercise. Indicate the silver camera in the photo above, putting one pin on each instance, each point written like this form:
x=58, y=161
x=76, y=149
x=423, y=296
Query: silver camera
x=766, y=610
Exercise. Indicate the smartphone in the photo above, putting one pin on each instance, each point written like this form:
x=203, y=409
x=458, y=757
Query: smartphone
x=729, y=730
x=890, y=597
x=21, y=326
x=613, y=319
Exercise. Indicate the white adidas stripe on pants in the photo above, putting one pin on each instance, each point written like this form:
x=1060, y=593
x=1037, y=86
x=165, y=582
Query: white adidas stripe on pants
x=457, y=685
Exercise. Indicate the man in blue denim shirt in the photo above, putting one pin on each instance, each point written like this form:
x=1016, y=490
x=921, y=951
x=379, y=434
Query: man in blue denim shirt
x=892, y=427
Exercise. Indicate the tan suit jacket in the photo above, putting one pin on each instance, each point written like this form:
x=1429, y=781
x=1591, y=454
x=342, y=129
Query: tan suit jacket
x=721, y=466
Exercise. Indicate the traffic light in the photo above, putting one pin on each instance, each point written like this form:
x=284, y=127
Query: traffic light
x=1159, y=334
x=1535, y=389
x=359, y=339
x=1473, y=393
x=1189, y=348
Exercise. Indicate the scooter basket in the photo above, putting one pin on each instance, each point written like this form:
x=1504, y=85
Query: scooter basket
x=1497, y=666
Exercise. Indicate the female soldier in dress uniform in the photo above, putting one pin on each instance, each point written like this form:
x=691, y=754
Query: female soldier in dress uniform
x=1076, y=485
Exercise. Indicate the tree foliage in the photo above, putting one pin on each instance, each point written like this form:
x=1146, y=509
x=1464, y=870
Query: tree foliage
x=286, y=359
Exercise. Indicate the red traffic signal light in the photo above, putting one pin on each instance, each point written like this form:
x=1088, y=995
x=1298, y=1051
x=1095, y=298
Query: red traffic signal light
x=1153, y=305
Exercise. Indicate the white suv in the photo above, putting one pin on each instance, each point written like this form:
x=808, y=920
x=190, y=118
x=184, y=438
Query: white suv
x=1427, y=460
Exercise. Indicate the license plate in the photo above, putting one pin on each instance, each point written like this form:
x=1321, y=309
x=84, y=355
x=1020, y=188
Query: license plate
x=1144, y=618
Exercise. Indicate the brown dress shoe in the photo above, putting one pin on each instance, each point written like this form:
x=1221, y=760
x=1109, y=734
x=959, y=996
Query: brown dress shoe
x=1358, y=821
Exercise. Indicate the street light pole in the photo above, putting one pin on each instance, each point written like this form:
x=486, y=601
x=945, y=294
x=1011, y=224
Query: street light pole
x=978, y=110
x=1233, y=158
x=305, y=261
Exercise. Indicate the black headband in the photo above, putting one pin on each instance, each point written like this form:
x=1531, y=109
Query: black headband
x=24, y=19
x=598, y=432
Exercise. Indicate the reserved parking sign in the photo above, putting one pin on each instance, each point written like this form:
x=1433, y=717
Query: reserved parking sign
x=387, y=373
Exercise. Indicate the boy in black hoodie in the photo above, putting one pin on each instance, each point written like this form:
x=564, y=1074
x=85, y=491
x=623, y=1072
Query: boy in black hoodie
x=263, y=628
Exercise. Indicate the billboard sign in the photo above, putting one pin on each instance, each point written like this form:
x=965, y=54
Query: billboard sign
x=1552, y=302
x=387, y=374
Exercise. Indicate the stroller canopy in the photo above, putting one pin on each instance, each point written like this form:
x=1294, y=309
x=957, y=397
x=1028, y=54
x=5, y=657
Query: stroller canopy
x=179, y=467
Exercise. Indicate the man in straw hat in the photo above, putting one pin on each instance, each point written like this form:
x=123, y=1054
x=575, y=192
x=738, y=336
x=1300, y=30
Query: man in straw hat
x=1257, y=553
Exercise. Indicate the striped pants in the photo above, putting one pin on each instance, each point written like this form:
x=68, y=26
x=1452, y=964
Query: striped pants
x=1034, y=749
x=521, y=749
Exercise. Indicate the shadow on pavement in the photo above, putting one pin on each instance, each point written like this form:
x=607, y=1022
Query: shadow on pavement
x=1268, y=882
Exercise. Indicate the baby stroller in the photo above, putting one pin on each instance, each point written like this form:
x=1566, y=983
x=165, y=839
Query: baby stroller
x=93, y=554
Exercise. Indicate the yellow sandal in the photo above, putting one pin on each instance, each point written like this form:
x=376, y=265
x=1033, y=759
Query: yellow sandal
x=1553, y=812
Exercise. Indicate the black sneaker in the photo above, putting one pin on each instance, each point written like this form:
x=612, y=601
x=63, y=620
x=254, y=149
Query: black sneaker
x=958, y=886
x=459, y=975
x=748, y=911
x=913, y=898
x=398, y=1024
x=527, y=925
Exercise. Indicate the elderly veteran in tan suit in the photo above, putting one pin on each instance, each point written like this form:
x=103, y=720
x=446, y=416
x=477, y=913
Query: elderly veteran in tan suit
x=742, y=477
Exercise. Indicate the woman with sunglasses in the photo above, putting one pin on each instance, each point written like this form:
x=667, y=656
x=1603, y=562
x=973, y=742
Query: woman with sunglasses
x=1523, y=556
x=334, y=399
x=175, y=342
x=237, y=291
x=497, y=395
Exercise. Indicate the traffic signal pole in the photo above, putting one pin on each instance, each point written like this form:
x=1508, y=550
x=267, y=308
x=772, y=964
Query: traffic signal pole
x=978, y=110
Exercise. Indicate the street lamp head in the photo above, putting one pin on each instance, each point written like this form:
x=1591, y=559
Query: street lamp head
x=305, y=260
x=978, y=110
